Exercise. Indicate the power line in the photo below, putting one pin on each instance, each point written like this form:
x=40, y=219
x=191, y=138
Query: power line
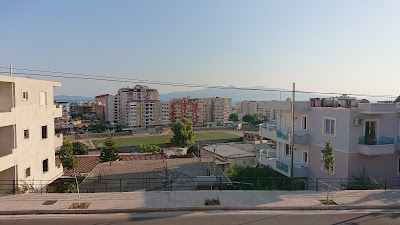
x=83, y=76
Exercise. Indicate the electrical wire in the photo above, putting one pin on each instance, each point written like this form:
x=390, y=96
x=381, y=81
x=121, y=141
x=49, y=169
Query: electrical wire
x=83, y=76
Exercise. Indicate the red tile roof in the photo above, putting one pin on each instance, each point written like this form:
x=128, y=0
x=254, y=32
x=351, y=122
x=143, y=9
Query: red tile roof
x=88, y=162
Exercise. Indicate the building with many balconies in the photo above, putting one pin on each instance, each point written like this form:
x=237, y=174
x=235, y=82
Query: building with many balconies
x=27, y=136
x=363, y=135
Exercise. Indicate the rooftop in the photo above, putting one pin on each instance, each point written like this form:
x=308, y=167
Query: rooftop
x=228, y=151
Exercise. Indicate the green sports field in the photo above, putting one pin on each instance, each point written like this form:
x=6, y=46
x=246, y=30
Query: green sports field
x=161, y=139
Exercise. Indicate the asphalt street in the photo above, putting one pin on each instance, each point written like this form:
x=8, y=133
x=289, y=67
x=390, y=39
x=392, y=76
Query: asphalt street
x=214, y=217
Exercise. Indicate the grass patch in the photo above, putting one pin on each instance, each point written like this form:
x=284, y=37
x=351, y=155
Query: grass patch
x=162, y=139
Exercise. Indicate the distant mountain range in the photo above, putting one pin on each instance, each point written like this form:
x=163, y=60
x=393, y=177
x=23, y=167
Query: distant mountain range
x=239, y=95
x=72, y=99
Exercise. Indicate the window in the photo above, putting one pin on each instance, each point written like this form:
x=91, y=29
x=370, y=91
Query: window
x=45, y=165
x=26, y=134
x=304, y=123
x=329, y=126
x=305, y=157
x=44, y=132
x=24, y=95
x=42, y=100
x=27, y=172
x=288, y=150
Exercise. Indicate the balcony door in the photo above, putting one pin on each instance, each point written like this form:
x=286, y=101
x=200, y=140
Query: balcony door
x=371, y=128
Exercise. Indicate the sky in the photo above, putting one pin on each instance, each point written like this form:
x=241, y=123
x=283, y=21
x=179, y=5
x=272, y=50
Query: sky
x=343, y=46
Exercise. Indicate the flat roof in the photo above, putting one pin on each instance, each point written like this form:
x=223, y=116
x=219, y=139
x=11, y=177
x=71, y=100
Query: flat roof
x=5, y=78
x=228, y=151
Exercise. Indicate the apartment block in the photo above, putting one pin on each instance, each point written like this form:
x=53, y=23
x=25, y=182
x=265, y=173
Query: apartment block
x=246, y=108
x=132, y=108
x=27, y=136
x=165, y=114
x=221, y=109
x=363, y=135
x=200, y=110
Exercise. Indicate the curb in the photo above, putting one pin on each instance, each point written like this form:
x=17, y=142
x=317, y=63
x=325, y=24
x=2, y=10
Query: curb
x=209, y=208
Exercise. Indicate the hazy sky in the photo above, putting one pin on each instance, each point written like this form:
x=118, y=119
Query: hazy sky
x=332, y=46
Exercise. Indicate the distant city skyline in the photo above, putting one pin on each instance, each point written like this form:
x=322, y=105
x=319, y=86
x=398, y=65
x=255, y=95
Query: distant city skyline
x=337, y=46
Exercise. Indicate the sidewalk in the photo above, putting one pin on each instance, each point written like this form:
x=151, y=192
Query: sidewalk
x=194, y=201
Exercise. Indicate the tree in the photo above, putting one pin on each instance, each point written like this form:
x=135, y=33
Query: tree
x=79, y=148
x=328, y=160
x=248, y=118
x=183, y=133
x=234, y=117
x=70, y=161
x=195, y=149
x=362, y=181
x=109, y=152
x=149, y=148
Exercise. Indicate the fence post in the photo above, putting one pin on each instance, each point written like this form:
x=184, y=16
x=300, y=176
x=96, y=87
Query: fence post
x=220, y=183
x=385, y=183
x=146, y=183
x=316, y=184
x=14, y=187
x=340, y=184
x=41, y=191
x=120, y=184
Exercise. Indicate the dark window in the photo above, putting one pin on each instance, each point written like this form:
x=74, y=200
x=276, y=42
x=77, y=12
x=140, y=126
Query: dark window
x=26, y=134
x=28, y=172
x=45, y=165
x=44, y=132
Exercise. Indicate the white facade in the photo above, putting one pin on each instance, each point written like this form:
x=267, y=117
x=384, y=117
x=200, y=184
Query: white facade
x=27, y=136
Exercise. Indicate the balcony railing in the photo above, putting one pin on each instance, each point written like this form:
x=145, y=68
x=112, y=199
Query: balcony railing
x=370, y=145
x=282, y=166
x=369, y=140
x=282, y=134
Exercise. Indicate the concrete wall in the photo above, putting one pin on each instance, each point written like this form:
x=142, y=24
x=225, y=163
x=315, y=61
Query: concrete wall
x=30, y=115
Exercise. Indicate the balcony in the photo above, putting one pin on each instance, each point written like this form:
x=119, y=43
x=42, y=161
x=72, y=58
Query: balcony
x=300, y=137
x=376, y=146
x=268, y=130
x=268, y=158
x=57, y=111
x=7, y=118
x=58, y=140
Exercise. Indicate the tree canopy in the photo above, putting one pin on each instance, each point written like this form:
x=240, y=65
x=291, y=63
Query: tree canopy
x=67, y=157
x=253, y=119
x=183, y=133
x=195, y=149
x=149, y=148
x=234, y=117
x=79, y=148
x=328, y=157
x=109, y=152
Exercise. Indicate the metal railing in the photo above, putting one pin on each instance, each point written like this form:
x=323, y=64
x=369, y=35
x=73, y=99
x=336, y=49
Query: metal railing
x=383, y=140
x=97, y=185
x=282, y=166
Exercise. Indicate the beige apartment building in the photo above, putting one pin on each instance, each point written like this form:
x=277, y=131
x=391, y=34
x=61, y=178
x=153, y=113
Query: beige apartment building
x=246, y=108
x=132, y=108
x=27, y=136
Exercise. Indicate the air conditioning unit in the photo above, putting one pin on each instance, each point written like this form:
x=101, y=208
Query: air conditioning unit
x=358, y=121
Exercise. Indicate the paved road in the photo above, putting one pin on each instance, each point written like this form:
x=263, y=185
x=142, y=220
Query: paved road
x=225, y=218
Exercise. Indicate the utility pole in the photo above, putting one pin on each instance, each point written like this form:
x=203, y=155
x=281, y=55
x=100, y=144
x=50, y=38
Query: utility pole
x=10, y=70
x=292, y=133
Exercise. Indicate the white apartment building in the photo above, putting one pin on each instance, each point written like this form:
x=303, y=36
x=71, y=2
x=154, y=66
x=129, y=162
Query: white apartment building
x=363, y=135
x=27, y=136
